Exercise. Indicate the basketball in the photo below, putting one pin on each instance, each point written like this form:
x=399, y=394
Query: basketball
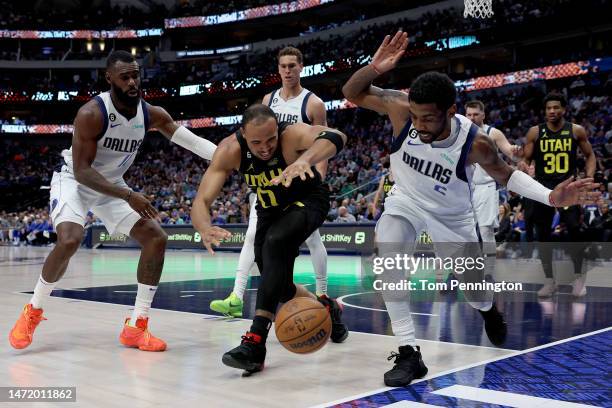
x=303, y=325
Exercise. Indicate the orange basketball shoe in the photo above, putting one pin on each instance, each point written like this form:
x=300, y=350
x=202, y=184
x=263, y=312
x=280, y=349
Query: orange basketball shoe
x=23, y=331
x=140, y=337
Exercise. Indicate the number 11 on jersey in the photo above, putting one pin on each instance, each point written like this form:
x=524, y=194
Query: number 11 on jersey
x=269, y=200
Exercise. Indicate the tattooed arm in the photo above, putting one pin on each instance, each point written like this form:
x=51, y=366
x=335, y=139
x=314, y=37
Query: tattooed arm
x=359, y=88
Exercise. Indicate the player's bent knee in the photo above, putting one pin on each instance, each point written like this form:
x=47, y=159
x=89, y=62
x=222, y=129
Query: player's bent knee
x=150, y=233
x=69, y=244
x=160, y=238
x=275, y=239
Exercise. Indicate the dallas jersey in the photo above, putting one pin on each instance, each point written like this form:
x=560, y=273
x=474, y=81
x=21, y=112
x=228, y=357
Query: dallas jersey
x=290, y=111
x=436, y=177
x=481, y=176
x=119, y=140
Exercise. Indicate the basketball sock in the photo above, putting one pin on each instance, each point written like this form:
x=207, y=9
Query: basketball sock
x=401, y=322
x=393, y=233
x=318, y=256
x=144, y=298
x=245, y=261
x=261, y=326
x=42, y=290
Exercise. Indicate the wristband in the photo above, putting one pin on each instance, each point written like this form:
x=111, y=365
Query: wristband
x=375, y=69
x=524, y=185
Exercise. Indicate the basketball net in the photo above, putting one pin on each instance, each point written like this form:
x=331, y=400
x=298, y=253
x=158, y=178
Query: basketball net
x=478, y=8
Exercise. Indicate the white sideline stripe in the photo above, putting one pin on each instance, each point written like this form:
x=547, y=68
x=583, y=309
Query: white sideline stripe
x=504, y=398
x=454, y=370
x=440, y=341
x=196, y=291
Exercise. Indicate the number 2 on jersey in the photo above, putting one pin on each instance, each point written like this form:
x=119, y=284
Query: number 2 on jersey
x=556, y=163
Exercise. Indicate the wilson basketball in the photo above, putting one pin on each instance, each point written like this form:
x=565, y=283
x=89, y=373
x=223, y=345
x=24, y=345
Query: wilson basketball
x=303, y=325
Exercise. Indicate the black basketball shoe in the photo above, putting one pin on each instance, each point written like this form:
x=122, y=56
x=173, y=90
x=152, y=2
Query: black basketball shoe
x=495, y=326
x=408, y=366
x=249, y=355
x=339, y=330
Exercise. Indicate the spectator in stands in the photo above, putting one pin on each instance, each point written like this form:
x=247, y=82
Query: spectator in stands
x=518, y=227
x=216, y=218
x=344, y=215
x=504, y=231
x=600, y=225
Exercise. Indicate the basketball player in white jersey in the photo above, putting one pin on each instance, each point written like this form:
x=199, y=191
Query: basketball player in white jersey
x=433, y=155
x=108, y=130
x=292, y=104
x=485, y=195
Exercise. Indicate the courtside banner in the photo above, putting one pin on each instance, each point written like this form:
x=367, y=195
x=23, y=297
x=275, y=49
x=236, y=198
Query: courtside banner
x=353, y=238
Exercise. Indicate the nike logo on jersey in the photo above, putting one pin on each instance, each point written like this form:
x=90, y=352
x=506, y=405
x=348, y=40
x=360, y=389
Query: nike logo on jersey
x=115, y=125
x=409, y=142
x=428, y=168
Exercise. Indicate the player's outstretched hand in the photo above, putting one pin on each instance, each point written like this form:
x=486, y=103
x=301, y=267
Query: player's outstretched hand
x=572, y=192
x=517, y=152
x=390, y=51
x=141, y=204
x=213, y=236
x=299, y=169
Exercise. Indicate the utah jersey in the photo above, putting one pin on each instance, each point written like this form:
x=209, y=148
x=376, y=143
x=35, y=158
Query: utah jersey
x=554, y=154
x=436, y=177
x=387, y=185
x=258, y=175
x=290, y=111
x=481, y=176
x=119, y=140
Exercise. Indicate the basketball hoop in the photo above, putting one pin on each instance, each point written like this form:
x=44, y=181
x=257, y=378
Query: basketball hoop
x=478, y=8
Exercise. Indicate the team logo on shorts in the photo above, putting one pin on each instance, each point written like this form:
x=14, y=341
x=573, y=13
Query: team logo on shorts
x=53, y=204
x=112, y=117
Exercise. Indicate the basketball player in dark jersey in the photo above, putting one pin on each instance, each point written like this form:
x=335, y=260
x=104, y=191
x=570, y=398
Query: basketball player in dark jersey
x=277, y=161
x=384, y=186
x=553, y=147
